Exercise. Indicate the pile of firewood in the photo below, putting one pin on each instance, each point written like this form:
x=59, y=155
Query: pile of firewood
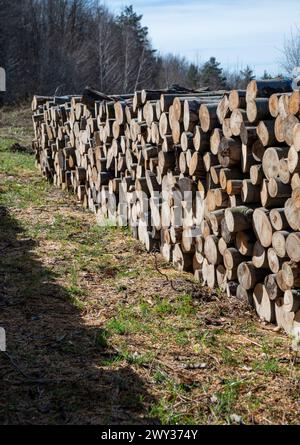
x=211, y=179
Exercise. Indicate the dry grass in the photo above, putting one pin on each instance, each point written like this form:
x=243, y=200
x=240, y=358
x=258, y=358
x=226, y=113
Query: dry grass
x=98, y=335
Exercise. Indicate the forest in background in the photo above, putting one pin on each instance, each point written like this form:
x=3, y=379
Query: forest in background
x=60, y=46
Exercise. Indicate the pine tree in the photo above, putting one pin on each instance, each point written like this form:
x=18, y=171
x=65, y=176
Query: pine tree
x=137, y=55
x=193, y=76
x=132, y=20
x=266, y=76
x=246, y=76
x=212, y=75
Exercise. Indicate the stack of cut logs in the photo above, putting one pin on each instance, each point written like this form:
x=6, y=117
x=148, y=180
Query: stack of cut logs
x=134, y=159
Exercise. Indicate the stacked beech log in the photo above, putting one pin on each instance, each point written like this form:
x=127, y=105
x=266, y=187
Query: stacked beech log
x=212, y=179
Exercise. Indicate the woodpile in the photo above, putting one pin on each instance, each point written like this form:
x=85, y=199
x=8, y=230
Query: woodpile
x=211, y=179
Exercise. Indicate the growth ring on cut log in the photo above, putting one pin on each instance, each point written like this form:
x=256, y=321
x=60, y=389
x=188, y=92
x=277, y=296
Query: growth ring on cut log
x=262, y=227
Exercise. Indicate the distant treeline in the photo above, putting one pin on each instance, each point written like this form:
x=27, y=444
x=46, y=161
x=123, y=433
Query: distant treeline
x=60, y=46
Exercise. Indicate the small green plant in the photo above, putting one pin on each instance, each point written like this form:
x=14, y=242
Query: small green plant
x=227, y=397
x=76, y=302
x=159, y=377
x=228, y=357
x=269, y=365
x=117, y=326
x=207, y=338
x=101, y=339
x=164, y=412
x=145, y=309
x=182, y=338
x=184, y=305
x=115, y=359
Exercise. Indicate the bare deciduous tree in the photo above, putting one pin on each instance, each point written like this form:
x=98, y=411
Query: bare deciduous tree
x=291, y=51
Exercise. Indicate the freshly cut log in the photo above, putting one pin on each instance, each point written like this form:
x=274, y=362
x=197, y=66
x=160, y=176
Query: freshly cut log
x=278, y=190
x=227, y=174
x=237, y=118
x=295, y=181
x=249, y=276
x=211, y=250
x=182, y=261
x=293, y=160
x=250, y=193
x=272, y=288
x=275, y=263
x=262, y=226
x=256, y=174
x=208, y=117
x=188, y=240
x=230, y=152
x=238, y=218
x=215, y=219
x=264, y=306
x=222, y=246
x=258, y=150
x=292, y=212
x=266, y=133
x=223, y=110
x=232, y=258
x=226, y=130
x=284, y=174
x=294, y=102
x=271, y=158
x=197, y=267
x=265, y=88
x=210, y=160
x=280, y=281
x=283, y=105
x=288, y=128
x=279, y=129
x=258, y=109
x=267, y=200
x=196, y=167
x=279, y=242
x=259, y=256
x=201, y=140
x=215, y=140
x=278, y=219
x=209, y=274
x=248, y=134
x=291, y=274
x=225, y=233
x=234, y=186
x=293, y=246
x=284, y=319
x=291, y=300
x=274, y=104
x=237, y=99
x=296, y=137
x=191, y=113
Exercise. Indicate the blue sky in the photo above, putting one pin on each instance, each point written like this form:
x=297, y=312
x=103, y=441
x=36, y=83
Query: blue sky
x=236, y=32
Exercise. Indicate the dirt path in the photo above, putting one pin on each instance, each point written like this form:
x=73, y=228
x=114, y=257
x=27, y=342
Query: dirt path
x=95, y=335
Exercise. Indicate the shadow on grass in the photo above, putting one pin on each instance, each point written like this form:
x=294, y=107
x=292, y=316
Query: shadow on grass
x=53, y=370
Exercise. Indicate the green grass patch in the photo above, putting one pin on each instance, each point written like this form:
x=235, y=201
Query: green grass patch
x=269, y=365
x=227, y=398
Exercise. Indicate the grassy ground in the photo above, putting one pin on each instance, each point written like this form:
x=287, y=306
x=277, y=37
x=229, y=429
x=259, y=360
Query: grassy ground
x=96, y=335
